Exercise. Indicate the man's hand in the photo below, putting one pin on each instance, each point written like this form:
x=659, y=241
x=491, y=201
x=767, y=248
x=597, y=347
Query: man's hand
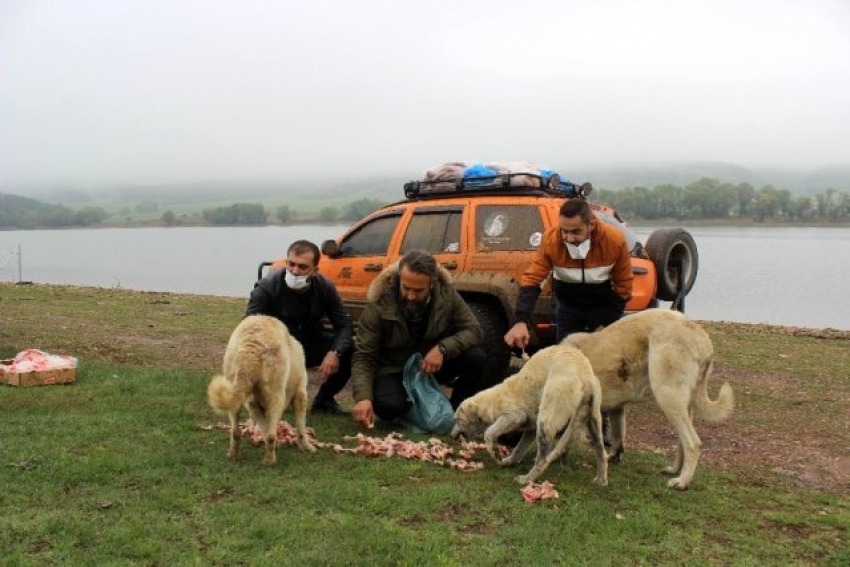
x=432, y=361
x=362, y=414
x=518, y=335
x=330, y=364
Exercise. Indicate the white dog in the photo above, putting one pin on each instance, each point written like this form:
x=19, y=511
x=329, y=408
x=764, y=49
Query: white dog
x=264, y=370
x=554, y=392
x=658, y=353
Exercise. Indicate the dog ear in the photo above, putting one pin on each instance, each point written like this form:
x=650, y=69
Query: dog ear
x=471, y=412
x=460, y=413
x=465, y=413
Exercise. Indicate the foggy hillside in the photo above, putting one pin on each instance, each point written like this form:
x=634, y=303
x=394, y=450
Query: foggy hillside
x=389, y=188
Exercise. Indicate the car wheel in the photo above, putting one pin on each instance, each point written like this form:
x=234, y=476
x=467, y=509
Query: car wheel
x=667, y=247
x=498, y=353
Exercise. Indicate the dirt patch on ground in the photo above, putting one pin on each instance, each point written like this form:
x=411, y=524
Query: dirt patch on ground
x=754, y=451
x=807, y=447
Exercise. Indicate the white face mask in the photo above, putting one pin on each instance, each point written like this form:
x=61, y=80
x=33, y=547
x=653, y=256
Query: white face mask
x=578, y=252
x=296, y=283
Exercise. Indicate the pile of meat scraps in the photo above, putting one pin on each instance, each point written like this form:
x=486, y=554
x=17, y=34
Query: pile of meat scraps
x=433, y=451
x=33, y=360
x=534, y=492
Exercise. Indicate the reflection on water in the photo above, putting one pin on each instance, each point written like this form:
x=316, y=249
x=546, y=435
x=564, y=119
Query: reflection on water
x=784, y=276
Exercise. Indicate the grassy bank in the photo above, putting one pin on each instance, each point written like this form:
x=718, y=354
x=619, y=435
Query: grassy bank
x=116, y=469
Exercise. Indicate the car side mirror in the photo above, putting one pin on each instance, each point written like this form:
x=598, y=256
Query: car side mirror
x=330, y=248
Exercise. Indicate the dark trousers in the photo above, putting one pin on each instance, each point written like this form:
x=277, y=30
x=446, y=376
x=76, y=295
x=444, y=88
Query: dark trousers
x=315, y=353
x=463, y=374
x=569, y=320
x=583, y=308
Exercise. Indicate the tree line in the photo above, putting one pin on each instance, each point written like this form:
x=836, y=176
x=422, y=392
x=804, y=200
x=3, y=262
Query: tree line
x=709, y=198
x=256, y=213
x=706, y=198
x=26, y=213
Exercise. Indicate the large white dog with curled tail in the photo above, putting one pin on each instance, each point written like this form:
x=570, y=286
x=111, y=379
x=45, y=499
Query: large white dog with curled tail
x=661, y=354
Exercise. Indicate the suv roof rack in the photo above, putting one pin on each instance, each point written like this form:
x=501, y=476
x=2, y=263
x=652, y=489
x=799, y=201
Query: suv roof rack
x=504, y=182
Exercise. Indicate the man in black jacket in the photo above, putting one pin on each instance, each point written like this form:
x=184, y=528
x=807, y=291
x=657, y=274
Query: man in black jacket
x=302, y=298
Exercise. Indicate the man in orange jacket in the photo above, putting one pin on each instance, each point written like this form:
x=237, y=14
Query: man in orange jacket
x=591, y=275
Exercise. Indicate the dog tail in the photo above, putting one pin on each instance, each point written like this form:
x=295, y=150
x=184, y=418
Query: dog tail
x=223, y=396
x=717, y=410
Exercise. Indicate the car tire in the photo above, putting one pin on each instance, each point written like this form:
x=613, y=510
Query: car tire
x=498, y=353
x=666, y=247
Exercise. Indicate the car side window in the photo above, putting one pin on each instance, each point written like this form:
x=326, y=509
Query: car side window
x=371, y=239
x=508, y=227
x=436, y=231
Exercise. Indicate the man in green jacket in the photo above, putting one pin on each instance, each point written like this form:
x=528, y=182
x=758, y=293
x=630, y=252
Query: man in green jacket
x=413, y=307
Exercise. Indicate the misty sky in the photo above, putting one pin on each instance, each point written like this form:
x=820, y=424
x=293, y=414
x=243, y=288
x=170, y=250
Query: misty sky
x=147, y=91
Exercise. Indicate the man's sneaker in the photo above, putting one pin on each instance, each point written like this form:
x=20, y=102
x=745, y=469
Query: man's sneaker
x=327, y=406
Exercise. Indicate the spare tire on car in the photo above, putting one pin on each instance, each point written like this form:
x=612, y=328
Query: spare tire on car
x=674, y=253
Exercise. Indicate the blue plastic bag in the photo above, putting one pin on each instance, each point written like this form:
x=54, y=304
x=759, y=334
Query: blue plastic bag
x=478, y=174
x=431, y=410
x=479, y=170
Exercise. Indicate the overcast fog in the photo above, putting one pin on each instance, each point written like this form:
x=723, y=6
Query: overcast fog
x=101, y=92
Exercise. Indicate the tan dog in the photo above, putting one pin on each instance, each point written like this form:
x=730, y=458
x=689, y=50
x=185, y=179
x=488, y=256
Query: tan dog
x=554, y=391
x=658, y=353
x=264, y=370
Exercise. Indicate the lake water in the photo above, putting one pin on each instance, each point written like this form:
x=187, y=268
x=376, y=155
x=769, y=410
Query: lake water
x=783, y=276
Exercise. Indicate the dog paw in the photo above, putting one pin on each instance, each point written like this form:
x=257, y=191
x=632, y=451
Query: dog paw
x=506, y=462
x=523, y=479
x=600, y=481
x=670, y=471
x=677, y=483
x=269, y=461
x=307, y=446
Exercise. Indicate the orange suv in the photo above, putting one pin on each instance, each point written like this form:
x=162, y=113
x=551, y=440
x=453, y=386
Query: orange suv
x=485, y=234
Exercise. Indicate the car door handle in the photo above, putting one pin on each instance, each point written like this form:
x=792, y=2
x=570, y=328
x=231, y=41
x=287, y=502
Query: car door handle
x=449, y=265
x=373, y=267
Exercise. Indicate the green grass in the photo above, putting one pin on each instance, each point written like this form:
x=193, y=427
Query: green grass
x=116, y=470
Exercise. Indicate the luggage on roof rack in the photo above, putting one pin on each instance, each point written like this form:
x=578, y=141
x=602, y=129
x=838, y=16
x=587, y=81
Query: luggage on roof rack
x=505, y=181
x=456, y=177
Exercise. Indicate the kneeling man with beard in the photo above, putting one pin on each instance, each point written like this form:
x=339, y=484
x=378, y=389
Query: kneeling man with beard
x=413, y=307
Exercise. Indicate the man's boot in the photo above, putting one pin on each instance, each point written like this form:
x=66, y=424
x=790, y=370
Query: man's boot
x=329, y=406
